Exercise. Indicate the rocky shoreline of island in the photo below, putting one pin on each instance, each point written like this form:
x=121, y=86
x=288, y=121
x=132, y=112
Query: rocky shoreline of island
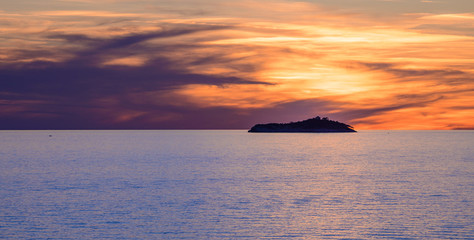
x=312, y=125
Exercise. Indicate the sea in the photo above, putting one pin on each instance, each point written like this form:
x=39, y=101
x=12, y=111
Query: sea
x=231, y=184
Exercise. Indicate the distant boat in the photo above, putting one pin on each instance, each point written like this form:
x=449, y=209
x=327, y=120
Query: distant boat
x=317, y=125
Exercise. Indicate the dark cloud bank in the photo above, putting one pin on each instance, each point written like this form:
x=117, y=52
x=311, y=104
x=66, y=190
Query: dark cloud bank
x=73, y=94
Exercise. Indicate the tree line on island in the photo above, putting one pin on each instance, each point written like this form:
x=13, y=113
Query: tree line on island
x=316, y=124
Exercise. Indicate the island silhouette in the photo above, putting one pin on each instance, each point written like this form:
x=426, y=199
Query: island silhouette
x=317, y=125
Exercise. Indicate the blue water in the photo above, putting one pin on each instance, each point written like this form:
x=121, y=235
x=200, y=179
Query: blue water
x=236, y=185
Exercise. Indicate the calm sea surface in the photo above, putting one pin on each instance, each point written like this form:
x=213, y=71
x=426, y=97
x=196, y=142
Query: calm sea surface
x=236, y=185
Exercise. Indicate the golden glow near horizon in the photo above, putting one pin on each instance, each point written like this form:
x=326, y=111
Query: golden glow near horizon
x=407, y=71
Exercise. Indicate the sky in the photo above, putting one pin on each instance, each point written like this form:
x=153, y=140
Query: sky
x=208, y=64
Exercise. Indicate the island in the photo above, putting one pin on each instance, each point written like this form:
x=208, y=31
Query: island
x=314, y=125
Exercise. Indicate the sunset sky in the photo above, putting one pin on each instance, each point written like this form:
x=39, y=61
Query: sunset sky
x=209, y=64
